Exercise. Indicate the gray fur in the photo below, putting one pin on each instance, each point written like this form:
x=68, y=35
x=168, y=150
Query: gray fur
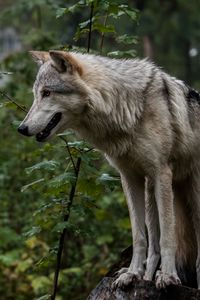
x=141, y=119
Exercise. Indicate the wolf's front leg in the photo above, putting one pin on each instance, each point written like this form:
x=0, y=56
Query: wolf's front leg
x=133, y=187
x=164, y=198
x=152, y=223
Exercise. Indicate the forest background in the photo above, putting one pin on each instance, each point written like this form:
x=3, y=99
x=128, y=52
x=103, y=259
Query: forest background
x=35, y=179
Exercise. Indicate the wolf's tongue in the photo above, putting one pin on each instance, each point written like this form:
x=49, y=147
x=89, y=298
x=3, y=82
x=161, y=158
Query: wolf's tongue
x=47, y=130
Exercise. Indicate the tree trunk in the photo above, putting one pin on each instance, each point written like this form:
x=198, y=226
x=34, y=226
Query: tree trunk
x=148, y=47
x=139, y=290
x=142, y=290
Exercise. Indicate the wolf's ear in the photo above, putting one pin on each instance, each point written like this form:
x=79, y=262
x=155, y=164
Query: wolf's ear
x=40, y=57
x=65, y=62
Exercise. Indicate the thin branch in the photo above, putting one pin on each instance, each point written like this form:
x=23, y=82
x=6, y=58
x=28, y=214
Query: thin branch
x=69, y=152
x=89, y=150
x=62, y=237
x=90, y=27
x=103, y=34
x=13, y=101
x=73, y=188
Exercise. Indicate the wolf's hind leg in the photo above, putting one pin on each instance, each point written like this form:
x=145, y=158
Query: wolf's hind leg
x=168, y=244
x=152, y=223
x=134, y=191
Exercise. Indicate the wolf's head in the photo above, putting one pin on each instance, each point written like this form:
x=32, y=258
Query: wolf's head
x=60, y=95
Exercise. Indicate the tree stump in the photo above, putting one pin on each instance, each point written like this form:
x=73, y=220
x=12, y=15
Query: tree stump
x=139, y=290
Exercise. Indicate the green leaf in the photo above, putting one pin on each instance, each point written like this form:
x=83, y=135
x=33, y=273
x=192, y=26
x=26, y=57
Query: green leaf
x=46, y=260
x=106, y=177
x=25, y=187
x=77, y=144
x=66, y=133
x=9, y=258
x=103, y=29
x=79, y=33
x=34, y=230
x=61, y=179
x=61, y=12
x=85, y=23
x=117, y=15
x=71, y=9
x=74, y=7
x=60, y=227
x=45, y=297
x=126, y=39
x=16, y=123
x=49, y=165
x=129, y=53
x=89, y=187
x=131, y=13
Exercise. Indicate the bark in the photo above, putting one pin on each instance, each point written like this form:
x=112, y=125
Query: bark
x=139, y=290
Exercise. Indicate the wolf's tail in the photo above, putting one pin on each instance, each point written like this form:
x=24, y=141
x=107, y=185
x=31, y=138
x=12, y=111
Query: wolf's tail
x=186, y=240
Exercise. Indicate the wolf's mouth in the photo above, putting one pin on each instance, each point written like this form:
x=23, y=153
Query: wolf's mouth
x=42, y=135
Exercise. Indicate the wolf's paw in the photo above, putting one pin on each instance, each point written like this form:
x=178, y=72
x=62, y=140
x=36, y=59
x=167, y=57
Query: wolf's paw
x=164, y=279
x=121, y=271
x=125, y=279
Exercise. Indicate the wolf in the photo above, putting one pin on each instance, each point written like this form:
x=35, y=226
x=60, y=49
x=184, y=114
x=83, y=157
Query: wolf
x=147, y=124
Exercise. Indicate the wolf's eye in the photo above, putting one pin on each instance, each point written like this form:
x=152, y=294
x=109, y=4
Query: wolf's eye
x=46, y=93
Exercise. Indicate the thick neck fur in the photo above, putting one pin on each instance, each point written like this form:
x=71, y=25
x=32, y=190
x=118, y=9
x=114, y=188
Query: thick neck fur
x=113, y=107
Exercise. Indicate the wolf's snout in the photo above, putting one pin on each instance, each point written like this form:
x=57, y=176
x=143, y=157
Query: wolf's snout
x=23, y=129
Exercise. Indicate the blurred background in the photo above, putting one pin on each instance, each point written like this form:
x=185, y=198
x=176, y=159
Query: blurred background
x=35, y=180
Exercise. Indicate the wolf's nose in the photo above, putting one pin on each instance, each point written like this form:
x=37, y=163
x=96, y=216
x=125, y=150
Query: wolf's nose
x=23, y=129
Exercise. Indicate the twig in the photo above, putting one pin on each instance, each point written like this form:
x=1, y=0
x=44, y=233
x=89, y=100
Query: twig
x=90, y=27
x=69, y=152
x=62, y=237
x=13, y=101
x=103, y=35
x=73, y=188
x=89, y=150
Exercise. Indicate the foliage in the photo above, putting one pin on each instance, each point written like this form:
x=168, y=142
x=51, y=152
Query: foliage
x=172, y=30
x=104, y=22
